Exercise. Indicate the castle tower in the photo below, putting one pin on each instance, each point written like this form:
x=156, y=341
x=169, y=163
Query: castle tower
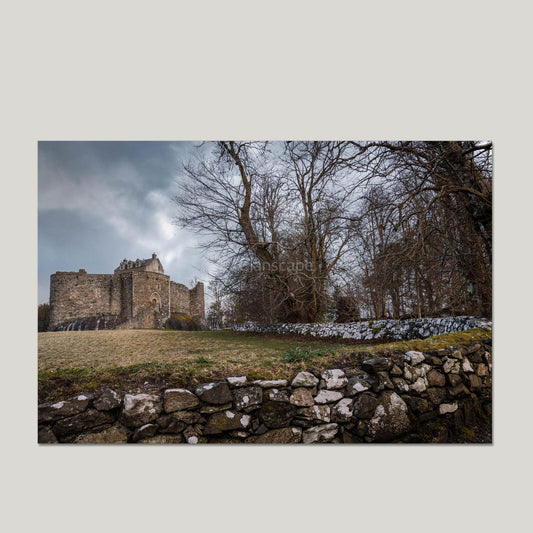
x=197, y=303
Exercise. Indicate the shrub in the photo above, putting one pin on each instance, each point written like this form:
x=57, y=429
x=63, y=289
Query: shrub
x=203, y=361
x=182, y=322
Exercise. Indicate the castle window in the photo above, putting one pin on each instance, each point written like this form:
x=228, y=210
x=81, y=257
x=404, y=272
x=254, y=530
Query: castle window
x=157, y=286
x=154, y=301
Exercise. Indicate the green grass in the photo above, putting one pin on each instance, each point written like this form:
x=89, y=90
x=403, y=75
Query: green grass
x=81, y=361
x=203, y=361
x=301, y=353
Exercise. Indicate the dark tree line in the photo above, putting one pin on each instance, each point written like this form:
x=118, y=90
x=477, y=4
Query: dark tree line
x=304, y=231
x=43, y=317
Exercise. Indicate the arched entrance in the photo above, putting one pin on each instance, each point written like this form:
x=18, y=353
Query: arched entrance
x=155, y=305
x=155, y=301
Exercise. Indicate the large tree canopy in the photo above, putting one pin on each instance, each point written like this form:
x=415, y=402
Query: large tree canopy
x=386, y=228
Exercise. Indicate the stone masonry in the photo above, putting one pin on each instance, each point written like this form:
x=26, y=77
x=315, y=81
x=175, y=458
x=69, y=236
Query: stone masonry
x=137, y=295
x=374, y=329
x=437, y=396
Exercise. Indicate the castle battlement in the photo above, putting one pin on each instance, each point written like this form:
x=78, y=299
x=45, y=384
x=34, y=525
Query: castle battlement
x=137, y=295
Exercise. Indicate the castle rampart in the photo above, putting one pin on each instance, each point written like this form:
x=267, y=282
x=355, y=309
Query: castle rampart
x=197, y=301
x=180, y=296
x=75, y=295
x=137, y=295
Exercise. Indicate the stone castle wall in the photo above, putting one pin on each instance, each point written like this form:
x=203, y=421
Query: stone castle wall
x=180, y=298
x=437, y=396
x=197, y=308
x=131, y=298
x=75, y=295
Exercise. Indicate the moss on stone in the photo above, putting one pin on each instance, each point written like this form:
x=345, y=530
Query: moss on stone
x=467, y=433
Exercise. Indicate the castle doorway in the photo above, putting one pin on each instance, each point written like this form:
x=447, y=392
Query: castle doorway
x=155, y=301
x=155, y=305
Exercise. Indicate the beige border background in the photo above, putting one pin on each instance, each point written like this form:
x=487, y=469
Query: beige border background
x=278, y=70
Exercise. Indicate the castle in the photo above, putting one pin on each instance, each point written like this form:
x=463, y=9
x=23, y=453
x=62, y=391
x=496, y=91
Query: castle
x=137, y=295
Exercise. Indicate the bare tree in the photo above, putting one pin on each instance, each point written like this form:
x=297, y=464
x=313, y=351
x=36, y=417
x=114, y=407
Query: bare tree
x=283, y=209
x=438, y=205
x=303, y=228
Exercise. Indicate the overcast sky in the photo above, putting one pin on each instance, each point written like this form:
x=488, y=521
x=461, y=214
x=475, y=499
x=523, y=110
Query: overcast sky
x=101, y=202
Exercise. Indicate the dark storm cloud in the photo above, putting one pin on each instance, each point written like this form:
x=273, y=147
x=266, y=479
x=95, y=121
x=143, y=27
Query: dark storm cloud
x=100, y=202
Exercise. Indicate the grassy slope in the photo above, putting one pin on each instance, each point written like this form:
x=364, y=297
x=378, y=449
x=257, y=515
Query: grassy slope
x=73, y=362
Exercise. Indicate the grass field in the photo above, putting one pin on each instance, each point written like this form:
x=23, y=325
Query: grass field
x=82, y=361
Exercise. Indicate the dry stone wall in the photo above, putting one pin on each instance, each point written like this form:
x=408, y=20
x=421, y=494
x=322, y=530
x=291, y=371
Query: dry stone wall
x=373, y=329
x=407, y=397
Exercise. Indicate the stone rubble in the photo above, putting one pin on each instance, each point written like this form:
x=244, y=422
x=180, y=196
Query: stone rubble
x=216, y=393
x=334, y=379
x=328, y=396
x=268, y=384
x=139, y=409
x=304, y=379
x=239, y=381
x=277, y=395
x=302, y=397
x=324, y=433
x=178, y=399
